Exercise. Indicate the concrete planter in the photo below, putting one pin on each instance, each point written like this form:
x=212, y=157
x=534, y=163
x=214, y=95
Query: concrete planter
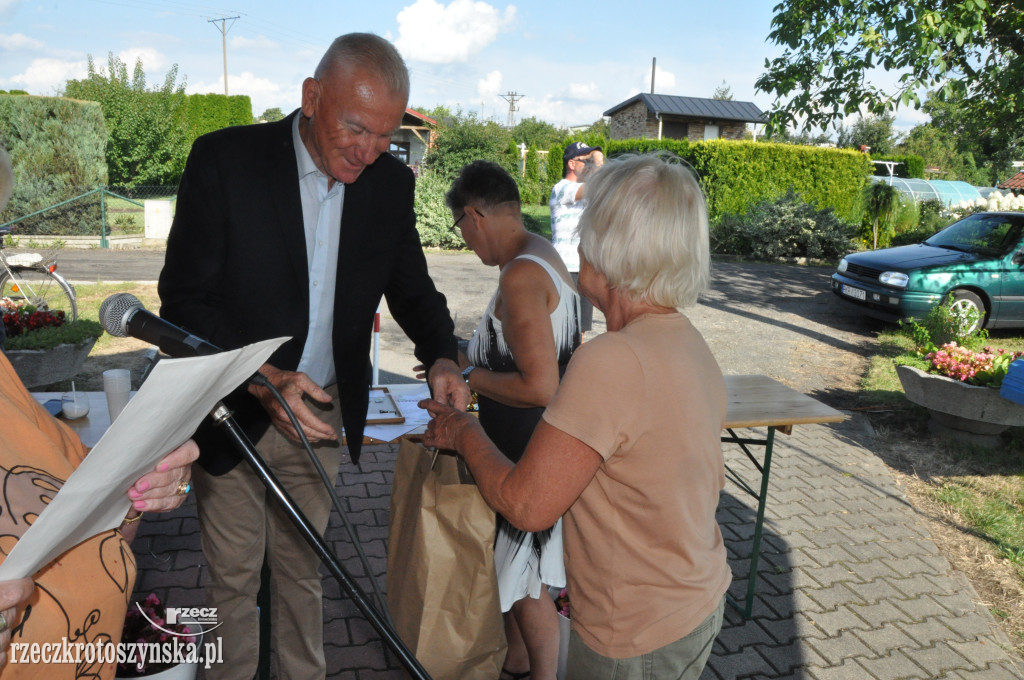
x=968, y=413
x=38, y=367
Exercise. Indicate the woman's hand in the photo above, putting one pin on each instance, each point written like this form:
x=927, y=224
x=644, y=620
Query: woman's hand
x=162, y=489
x=447, y=424
x=12, y=595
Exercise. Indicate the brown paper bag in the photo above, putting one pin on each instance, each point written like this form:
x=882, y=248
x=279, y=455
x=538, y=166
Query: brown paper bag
x=441, y=584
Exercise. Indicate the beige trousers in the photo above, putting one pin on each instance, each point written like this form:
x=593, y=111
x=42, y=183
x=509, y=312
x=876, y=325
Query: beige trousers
x=240, y=524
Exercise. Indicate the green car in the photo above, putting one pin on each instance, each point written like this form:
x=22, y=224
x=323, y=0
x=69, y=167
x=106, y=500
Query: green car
x=979, y=260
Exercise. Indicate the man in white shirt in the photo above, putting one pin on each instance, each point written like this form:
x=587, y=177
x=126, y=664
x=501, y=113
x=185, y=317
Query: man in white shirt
x=567, y=204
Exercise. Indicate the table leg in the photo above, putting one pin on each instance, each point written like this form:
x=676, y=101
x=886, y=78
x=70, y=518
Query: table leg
x=762, y=499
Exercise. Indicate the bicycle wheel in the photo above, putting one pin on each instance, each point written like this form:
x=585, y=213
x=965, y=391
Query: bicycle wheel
x=40, y=288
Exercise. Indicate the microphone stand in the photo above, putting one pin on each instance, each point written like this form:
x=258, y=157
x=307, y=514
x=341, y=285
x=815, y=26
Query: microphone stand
x=222, y=417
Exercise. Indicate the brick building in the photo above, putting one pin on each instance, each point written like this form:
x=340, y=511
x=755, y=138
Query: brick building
x=660, y=116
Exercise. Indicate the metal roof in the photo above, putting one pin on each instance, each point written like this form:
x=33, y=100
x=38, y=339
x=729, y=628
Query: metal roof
x=696, y=107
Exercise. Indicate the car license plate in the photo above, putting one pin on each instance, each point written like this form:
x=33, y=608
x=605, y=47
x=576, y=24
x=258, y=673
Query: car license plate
x=854, y=292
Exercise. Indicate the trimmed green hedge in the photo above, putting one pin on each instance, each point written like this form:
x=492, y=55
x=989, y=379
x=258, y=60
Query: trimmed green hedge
x=208, y=112
x=57, y=147
x=737, y=174
x=912, y=166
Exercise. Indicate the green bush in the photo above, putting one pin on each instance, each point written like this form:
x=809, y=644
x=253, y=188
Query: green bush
x=941, y=325
x=736, y=175
x=208, y=112
x=911, y=166
x=783, y=227
x=433, y=218
x=57, y=150
x=48, y=338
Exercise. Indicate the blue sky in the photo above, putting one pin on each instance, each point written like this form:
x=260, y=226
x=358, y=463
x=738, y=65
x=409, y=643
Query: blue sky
x=572, y=61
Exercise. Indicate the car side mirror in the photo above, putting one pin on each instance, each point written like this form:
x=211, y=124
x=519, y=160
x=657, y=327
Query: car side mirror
x=1018, y=257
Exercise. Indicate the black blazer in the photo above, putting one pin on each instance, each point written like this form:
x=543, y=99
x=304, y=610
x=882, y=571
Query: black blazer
x=235, y=270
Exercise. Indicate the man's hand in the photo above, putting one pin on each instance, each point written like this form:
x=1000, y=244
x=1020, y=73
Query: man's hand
x=293, y=387
x=447, y=384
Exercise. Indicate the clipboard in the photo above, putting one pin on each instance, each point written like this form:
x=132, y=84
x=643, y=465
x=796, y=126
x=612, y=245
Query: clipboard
x=383, y=409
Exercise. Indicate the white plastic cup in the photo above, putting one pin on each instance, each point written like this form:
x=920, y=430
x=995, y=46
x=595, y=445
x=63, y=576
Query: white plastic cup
x=74, y=404
x=117, y=385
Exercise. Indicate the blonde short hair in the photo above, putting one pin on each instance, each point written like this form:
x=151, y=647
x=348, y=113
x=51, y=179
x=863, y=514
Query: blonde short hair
x=645, y=229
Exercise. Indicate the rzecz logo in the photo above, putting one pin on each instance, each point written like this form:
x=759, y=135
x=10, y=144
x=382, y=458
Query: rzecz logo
x=194, y=616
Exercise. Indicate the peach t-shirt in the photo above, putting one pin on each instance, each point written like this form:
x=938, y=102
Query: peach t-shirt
x=83, y=594
x=644, y=556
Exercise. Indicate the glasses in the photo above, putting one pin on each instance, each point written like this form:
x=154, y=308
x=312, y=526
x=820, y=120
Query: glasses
x=456, y=225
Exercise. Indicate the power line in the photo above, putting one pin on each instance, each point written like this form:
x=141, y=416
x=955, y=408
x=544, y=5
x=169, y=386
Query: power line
x=224, y=43
x=512, y=98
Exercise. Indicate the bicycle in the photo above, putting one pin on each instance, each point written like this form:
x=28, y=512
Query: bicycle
x=31, y=278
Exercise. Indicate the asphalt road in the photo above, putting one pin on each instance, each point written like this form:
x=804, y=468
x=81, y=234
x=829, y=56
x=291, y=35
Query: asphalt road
x=779, y=320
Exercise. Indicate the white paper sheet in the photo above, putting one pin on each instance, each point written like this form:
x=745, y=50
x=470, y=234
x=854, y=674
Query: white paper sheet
x=406, y=396
x=164, y=413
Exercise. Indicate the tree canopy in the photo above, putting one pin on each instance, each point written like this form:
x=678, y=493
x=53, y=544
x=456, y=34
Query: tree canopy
x=969, y=49
x=535, y=132
x=147, y=134
x=875, y=132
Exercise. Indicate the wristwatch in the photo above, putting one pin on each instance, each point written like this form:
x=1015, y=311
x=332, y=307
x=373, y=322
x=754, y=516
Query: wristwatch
x=466, y=371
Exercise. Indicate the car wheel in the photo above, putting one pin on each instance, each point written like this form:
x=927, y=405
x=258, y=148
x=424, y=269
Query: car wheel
x=969, y=308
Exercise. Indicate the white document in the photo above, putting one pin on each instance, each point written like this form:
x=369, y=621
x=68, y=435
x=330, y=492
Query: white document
x=167, y=409
x=406, y=396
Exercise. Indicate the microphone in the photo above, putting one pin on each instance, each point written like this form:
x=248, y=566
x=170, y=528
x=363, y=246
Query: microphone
x=123, y=315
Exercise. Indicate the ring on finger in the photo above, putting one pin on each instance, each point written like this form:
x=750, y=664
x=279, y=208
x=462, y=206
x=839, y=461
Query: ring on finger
x=3, y=622
x=184, y=487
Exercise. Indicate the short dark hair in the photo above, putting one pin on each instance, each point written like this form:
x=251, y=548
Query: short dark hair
x=485, y=182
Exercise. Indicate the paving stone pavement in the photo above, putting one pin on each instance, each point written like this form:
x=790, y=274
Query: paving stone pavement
x=850, y=583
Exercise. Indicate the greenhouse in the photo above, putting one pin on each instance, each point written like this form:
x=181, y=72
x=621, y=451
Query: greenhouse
x=950, y=193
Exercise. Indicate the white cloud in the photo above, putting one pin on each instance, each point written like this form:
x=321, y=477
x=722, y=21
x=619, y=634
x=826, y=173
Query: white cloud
x=431, y=32
x=664, y=81
x=8, y=8
x=17, y=41
x=489, y=86
x=46, y=76
x=152, y=60
x=260, y=42
x=587, y=92
x=263, y=92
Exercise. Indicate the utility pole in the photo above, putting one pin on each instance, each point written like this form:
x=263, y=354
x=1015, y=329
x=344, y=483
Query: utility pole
x=654, y=66
x=224, y=43
x=512, y=98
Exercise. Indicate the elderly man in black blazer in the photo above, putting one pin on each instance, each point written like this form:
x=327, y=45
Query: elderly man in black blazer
x=297, y=228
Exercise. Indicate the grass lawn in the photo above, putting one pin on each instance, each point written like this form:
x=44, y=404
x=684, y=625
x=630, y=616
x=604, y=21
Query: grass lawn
x=977, y=494
x=542, y=215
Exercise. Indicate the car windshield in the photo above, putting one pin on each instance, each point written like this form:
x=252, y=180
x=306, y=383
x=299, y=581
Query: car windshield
x=981, y=233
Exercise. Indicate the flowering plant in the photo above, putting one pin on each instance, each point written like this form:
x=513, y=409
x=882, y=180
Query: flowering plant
x=27, y=327
x=22, y=318
x=146, y=623
x=986, y=368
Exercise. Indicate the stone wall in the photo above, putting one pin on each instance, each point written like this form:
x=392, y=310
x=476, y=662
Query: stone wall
x=630, y=123
x=636, y=121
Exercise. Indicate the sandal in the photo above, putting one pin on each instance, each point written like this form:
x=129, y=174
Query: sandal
x=509, y=675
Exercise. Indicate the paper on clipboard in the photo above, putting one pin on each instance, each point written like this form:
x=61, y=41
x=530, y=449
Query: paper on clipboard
x=164, y=413
x=382, y=408
x=406, y=397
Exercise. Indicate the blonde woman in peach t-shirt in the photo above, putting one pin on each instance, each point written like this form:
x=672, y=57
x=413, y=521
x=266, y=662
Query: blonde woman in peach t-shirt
x=629, y=447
